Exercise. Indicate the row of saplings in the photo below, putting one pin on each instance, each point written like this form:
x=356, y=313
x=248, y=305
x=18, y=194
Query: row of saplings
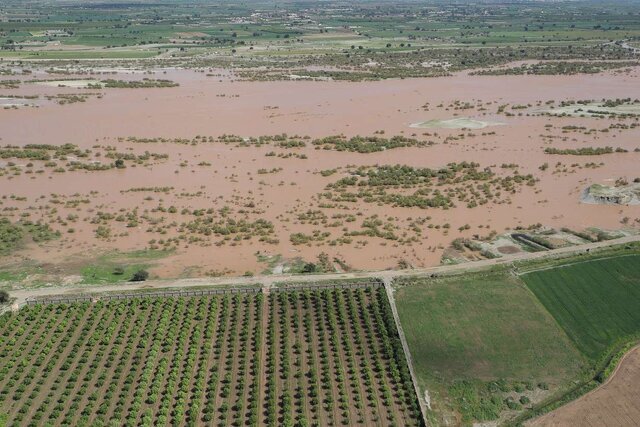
x=350, y=327
x=166, y=361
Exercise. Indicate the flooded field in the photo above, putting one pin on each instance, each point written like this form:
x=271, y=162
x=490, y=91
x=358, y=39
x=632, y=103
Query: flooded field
x=196, y=178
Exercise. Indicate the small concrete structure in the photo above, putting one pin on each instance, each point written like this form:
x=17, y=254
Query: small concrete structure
x=605, y=195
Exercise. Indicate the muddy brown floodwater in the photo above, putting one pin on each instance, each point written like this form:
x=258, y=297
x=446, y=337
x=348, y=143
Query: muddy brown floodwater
x=317, y=109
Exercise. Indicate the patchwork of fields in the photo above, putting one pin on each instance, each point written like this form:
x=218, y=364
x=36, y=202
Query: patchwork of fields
x=481, y=344
x=486, y=346
x=496, y=345
x=322, y=357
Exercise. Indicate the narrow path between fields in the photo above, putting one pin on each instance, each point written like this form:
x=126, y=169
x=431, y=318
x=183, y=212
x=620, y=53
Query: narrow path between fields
x=422, y=401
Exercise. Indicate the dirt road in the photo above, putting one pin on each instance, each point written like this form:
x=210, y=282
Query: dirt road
x=267, y=281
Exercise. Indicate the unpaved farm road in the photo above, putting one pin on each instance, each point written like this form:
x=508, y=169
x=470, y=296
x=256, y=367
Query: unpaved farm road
x=269, y=280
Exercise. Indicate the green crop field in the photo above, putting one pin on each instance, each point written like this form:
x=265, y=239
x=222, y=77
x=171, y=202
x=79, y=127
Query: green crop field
x=475, y=339
x=596, y=302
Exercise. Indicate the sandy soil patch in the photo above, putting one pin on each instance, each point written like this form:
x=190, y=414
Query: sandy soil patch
x=10, y=102
x=75, y=84
x=192, y=34
x=509, y=250
x=457, y=123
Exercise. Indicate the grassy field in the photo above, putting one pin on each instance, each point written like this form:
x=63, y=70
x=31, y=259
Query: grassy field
x=596, y=302
x=322, y=357
x=478, y=339
x=119, y=267
x=102, y=268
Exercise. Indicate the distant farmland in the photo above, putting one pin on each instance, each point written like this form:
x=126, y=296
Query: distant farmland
x=596, y=302
x=322, y=357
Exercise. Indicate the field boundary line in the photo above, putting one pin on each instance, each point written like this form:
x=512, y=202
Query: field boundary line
x=615, y=371
x=407, y=354
x=582, y=261
x=92, y=297
x=607, y=381
x=22, y=295
x=73, y=298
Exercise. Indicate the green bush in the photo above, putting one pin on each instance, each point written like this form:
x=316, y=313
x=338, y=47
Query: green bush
x=309, y=268
x=140, y=276
x=10, y=236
